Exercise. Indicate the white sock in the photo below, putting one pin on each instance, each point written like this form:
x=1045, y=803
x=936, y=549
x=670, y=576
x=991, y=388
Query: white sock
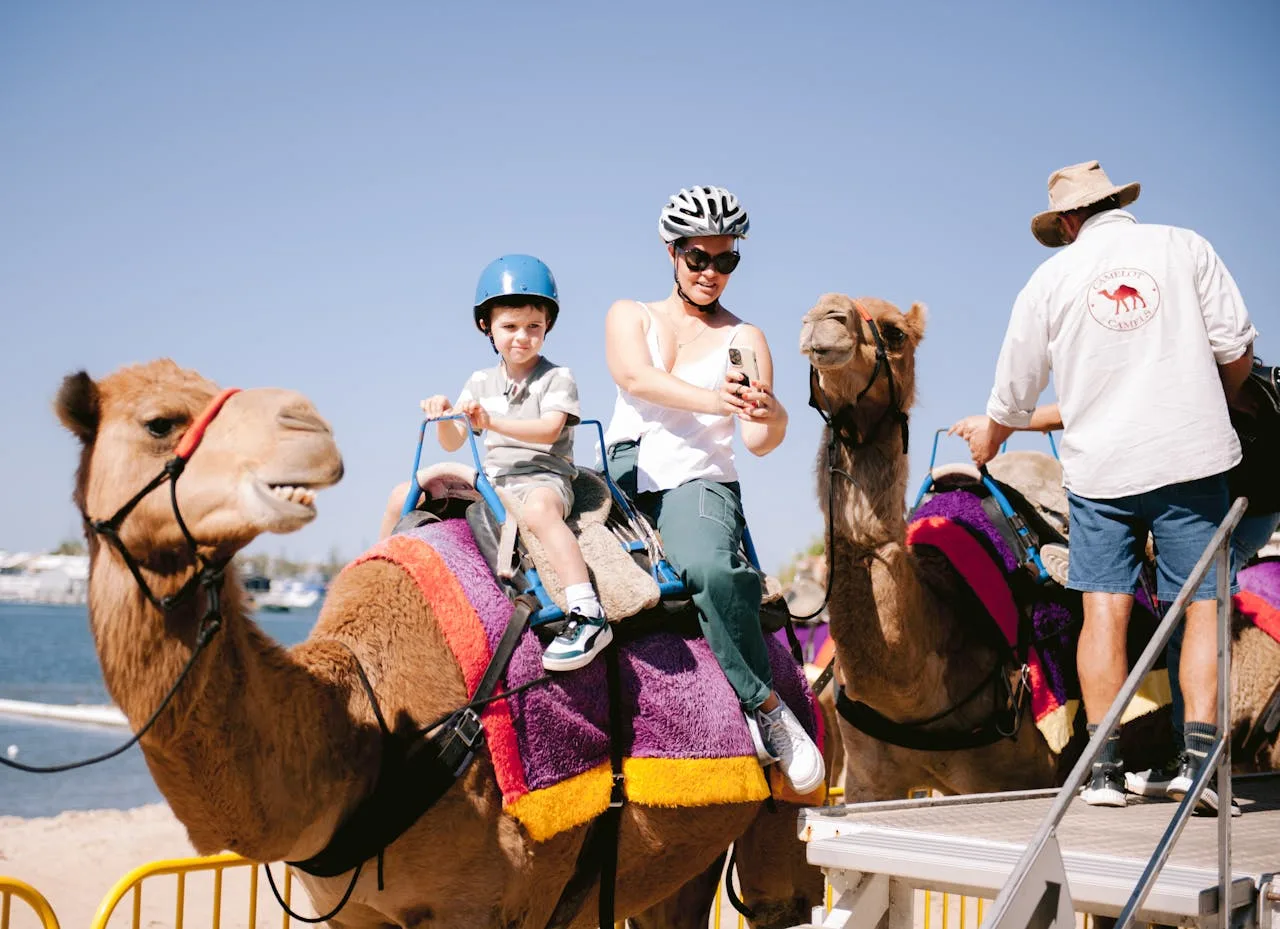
x=582, y=597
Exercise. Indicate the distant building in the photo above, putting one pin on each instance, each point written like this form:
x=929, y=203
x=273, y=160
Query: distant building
x=44, y=578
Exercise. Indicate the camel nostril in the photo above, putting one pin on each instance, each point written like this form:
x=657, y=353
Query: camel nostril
x=302, y=419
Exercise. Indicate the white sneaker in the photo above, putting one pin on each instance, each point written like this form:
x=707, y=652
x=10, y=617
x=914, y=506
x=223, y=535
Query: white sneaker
x=763, y=754
x=798, y=757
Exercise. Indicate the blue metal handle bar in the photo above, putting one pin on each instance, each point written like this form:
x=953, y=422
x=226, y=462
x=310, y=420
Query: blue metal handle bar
x=1024, y=533
x=669, y=583
x=411, y=498
x=933, y=455
x=614, y=491
x=483, y=484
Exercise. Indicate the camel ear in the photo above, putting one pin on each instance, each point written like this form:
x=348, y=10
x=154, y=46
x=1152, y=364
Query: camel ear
x=915, y=320
x=77, y=405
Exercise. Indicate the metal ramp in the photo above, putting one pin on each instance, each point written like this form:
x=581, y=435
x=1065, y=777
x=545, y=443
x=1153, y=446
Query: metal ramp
x=1046, y=855
x=970, y=845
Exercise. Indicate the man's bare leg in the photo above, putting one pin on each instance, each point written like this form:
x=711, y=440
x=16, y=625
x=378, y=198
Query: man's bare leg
x=1198, y=667
x=1101, y=654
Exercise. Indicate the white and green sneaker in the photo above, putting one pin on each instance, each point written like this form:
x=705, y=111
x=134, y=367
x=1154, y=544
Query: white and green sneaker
x=583, y=638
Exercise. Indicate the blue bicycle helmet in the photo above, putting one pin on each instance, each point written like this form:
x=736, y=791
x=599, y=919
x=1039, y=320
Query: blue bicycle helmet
x=516, y=276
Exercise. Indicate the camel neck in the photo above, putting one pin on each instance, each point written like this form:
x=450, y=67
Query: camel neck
x=869, y=491
x=247, y=721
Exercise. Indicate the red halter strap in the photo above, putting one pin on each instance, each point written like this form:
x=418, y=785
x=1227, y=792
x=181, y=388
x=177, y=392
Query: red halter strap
x=198, y=426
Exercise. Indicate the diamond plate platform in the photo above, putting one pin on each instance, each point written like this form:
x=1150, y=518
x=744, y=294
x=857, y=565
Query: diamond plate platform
x=969, y=845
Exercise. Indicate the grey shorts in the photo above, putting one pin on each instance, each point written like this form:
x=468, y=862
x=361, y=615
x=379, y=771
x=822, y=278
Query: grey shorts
x=519, y=486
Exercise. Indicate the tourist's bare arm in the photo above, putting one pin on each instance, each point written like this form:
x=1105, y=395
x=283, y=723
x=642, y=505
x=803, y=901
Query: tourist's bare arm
x=1045, y=418
x=627, y=353
x=542, y=431
x=764, y=423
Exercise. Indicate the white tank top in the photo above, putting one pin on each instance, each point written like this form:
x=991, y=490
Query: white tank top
x=676, y=446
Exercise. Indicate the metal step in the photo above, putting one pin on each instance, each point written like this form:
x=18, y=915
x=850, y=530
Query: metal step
x=970, y=844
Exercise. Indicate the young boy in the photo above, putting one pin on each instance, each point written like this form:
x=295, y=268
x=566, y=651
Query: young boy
x=527, y=406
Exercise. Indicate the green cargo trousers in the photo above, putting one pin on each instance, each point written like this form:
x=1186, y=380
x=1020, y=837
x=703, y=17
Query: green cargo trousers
x=701, y=526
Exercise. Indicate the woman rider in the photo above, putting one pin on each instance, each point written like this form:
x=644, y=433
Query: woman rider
x=670, y=447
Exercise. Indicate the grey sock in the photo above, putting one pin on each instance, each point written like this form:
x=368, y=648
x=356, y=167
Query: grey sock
x=1110, y=753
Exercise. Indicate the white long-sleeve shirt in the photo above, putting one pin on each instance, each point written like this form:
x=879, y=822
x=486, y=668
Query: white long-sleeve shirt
x=1133, y=320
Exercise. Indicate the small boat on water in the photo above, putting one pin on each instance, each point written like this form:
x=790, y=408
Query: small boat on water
x=279, y=595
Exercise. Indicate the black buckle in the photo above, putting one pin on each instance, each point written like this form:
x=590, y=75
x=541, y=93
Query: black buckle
x=468, y=728
x=618, y=795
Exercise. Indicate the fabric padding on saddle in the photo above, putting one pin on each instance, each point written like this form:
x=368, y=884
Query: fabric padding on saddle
x=624, y=588
x=1259, y=597
x=685, y=739
x=1039, y=623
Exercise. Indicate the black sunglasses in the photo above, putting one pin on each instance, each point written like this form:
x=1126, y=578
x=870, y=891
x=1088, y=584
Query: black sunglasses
x=695, y=259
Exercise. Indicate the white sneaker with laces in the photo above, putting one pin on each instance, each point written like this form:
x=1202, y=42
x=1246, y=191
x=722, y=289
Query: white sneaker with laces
x=757, y=741
x=798, y=757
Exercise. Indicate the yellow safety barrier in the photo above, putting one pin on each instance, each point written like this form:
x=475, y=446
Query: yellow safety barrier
x=180, y=869
x=11, y=887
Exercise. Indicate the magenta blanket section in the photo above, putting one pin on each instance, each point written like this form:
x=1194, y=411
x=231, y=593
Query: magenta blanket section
x=1263, y=579
x=676, y=700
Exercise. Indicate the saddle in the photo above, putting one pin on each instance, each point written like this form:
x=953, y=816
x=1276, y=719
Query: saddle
x=623, y=552
x=1259, y=434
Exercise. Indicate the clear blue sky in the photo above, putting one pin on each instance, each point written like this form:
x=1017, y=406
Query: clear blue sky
x=302, y=194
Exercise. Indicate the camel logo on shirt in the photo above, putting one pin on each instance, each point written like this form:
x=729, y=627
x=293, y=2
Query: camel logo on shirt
x=1123, y=299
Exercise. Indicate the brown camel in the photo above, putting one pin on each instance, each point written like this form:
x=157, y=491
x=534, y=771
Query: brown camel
x=899, y=647
x=264, y=750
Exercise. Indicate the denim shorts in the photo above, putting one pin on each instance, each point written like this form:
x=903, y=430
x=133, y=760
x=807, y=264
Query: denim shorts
x=1108, y=537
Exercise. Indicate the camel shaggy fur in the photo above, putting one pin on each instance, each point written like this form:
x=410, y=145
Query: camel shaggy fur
x=264, y=750
x=899, y=647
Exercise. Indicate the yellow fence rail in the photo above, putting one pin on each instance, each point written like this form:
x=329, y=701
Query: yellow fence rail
x=11, y=887
x=180, y=869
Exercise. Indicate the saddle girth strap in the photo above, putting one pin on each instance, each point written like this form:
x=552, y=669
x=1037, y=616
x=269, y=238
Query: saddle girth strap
x=598, y=858
x=413, y=774
x=908, y=735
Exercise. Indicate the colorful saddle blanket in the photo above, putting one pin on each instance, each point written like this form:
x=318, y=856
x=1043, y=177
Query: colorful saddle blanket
x=1039, y=623
x=1259, y=597
x=686, y=741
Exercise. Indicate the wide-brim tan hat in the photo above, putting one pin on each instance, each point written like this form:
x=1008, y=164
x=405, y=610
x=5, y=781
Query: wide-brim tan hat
x=1073, y=187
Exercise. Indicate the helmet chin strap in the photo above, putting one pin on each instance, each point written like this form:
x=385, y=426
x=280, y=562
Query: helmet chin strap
x=701, y=307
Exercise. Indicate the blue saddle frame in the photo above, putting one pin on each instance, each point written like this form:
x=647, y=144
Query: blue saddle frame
x=1015, y=519
x=664, y=574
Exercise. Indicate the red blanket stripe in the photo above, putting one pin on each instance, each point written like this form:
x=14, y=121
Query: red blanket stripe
x=466, y=638
x=986, y=579
x=1265, y=616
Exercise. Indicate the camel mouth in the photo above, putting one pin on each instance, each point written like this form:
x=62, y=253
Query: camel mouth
x=829, y=356
x=280, y=506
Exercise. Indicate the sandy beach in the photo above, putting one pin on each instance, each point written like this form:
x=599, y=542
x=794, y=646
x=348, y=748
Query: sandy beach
x=76, y=858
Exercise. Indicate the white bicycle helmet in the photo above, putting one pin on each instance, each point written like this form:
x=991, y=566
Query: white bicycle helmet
x=698, y=211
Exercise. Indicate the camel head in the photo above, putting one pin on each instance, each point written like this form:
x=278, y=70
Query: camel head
x=842, y=349
x=255, y=470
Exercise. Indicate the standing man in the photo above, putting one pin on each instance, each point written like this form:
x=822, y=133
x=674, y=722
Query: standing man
x=1147, y=337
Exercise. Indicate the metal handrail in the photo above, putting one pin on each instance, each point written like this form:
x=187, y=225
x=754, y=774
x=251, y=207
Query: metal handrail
x=1218, y=762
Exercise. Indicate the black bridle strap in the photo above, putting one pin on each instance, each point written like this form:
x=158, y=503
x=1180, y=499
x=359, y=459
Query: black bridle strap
x=207, y=575
x=841, y=421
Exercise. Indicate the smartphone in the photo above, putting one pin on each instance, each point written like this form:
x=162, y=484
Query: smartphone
x=744, y=360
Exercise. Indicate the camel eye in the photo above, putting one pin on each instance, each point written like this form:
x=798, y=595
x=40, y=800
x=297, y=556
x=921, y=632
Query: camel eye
x=894, y=337
x=161, y=426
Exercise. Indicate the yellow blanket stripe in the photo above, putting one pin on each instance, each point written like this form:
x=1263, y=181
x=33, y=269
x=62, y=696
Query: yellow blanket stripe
x=670, y=782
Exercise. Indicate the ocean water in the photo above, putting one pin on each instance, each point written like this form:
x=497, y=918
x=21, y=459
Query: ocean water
x=47, y=656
